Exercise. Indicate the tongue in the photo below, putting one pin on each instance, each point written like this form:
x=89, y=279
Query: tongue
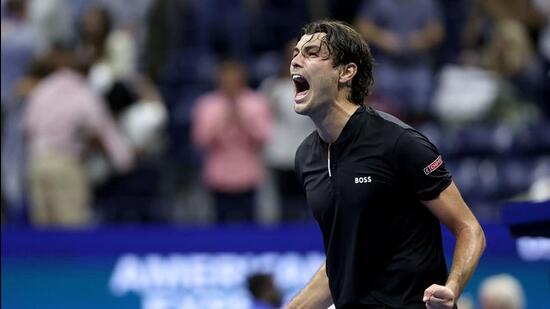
x=300, y=95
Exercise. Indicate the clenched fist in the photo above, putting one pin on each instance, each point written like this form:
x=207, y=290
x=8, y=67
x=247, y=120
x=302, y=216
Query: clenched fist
x=439, y=296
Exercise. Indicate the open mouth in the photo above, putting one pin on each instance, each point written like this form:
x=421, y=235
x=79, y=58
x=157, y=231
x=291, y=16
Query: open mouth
x=302, y=87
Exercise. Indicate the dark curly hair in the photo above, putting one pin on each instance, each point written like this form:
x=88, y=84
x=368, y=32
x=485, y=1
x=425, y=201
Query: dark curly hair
x=346, y=45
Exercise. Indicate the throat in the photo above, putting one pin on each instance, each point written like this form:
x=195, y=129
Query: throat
x=331, y=123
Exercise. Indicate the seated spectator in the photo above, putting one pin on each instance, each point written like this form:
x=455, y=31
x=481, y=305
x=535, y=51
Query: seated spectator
x=501, y=292
x=544, y=48
x=504, y=81
x=62, y=117
x=264, y=292
x=510, y=52
x=484, y=14
x=231, y=126
x=403, y=35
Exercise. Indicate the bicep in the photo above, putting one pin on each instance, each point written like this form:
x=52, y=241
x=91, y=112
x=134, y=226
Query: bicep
x=451, y=210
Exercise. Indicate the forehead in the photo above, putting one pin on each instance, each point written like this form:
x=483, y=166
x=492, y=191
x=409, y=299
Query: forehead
x=311, y=39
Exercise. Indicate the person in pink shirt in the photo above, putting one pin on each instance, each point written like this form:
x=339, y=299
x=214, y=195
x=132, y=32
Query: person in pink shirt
x=62, y=118
x=231, y=126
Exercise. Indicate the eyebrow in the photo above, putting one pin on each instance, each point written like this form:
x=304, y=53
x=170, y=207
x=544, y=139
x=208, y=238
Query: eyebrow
x=306, y=47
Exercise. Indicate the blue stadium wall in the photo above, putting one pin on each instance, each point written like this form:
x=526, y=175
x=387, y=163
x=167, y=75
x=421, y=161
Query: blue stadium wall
x=165, y=268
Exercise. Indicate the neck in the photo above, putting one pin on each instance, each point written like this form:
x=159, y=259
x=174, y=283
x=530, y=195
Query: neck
x=331, y=121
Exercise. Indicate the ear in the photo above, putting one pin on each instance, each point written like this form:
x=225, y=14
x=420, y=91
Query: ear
x=347, y=72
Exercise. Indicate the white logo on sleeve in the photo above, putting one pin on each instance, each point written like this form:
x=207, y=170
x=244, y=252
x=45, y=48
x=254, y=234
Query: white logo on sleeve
x=364, y=179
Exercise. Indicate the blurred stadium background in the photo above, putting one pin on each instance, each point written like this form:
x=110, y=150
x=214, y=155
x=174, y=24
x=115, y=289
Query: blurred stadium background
x=151, y=215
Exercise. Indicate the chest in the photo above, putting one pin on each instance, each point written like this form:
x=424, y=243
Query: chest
x=351, y=181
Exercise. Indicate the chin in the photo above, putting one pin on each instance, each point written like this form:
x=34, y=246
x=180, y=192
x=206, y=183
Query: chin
x=301, y=108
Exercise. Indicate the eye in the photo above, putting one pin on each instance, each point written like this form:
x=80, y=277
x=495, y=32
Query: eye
x=313, y=54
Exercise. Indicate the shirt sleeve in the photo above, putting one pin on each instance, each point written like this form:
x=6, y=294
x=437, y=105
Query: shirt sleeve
x=420, y=165
x=99, y=122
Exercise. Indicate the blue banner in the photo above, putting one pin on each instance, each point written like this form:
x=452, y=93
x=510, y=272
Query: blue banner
x=171, y=267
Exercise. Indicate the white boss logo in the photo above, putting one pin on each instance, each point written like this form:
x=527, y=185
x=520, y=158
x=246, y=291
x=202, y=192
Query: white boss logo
x=364, y=179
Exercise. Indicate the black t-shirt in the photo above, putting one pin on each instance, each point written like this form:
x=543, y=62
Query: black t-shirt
x=383, y=246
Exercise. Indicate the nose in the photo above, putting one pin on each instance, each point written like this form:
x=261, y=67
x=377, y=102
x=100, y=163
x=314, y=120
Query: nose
x=297, y=61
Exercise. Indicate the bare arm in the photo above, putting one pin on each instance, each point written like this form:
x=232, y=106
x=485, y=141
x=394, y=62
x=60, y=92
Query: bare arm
x=430, y=36
x=316, y=294
x=381, y=38
x=451, y=209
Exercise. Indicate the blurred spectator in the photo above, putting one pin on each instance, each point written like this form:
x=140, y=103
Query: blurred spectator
x=539, y=190
x=54, y=19
x=544, y=50
x=110, y=52
x=21, y=43
x=501, y=292
x=289, y=131
x=231, y=126
x=465, y=302
x=135, y=196
x=509, y=50
x=454, y=106
x=144, y=120
x=62, y=117
x=264, y=292
x=502, y=85
x=510, y=53
x=486, y=13
x=403, y=34
x=13, y=144
x=544, y=41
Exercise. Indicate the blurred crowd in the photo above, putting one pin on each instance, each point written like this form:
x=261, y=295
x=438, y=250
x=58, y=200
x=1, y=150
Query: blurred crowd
x=168, y=111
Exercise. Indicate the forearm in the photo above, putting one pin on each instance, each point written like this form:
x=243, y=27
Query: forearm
x=429, y=37
x=372, y=33
x=316, y=294
x=470, y=243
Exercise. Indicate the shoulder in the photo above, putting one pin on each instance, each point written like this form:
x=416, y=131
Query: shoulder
x=413, y=144
x=387, y=119
x=385, y=127
x=392, y=134
x=410, y=137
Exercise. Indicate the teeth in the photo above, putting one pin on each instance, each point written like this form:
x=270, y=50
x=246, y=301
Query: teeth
x=296, y=76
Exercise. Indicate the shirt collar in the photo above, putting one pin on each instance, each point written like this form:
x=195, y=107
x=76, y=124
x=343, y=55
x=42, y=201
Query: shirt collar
x=352, y=126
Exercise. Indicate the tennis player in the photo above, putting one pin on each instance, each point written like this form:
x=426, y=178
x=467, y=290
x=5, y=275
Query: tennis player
x=377, y=187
